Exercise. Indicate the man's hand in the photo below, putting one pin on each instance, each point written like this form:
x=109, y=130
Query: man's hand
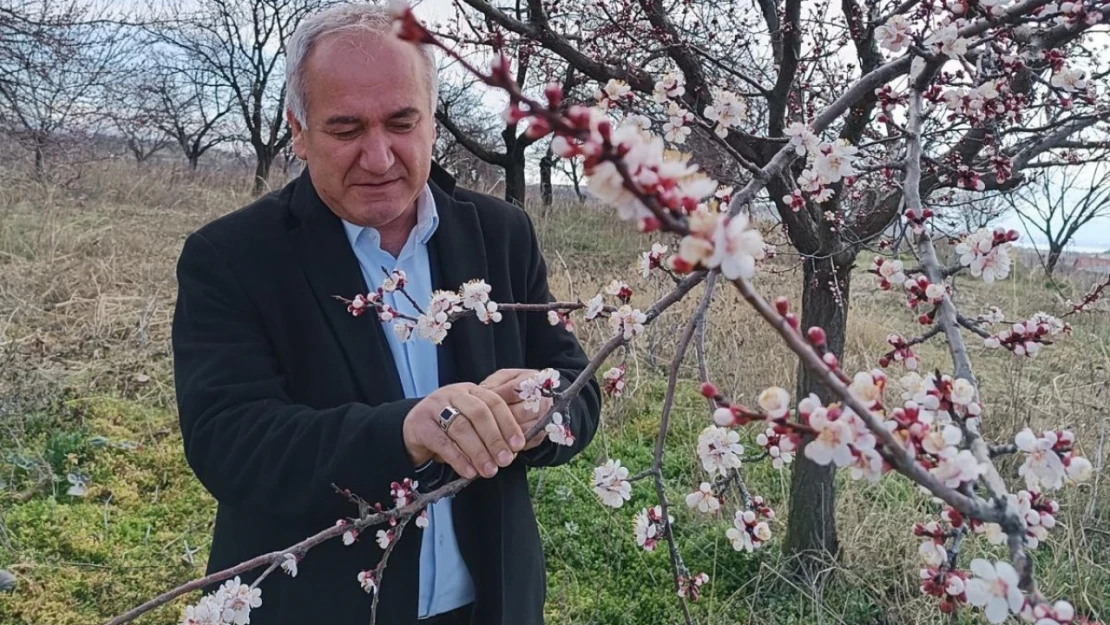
x=484, y=436
x=506, y=383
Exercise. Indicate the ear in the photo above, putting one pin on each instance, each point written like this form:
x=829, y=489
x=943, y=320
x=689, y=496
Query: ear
x=298, y=136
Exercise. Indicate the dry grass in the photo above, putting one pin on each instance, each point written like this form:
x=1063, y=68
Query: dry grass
x=86, y=298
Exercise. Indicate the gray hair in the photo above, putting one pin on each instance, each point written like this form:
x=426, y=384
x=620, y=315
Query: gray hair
x=370, y=18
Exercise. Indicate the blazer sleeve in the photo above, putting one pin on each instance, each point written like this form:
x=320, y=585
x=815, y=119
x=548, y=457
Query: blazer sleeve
x=557, y=348
x=246, y=441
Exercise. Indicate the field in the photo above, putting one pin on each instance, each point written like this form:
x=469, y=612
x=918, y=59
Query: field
x=86, y=403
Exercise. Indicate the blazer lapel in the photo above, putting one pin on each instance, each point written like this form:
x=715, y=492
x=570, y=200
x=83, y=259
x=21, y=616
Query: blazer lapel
x=457, y=254
x=332, y=270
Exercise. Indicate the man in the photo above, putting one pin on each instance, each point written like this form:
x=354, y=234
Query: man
x=283, y=393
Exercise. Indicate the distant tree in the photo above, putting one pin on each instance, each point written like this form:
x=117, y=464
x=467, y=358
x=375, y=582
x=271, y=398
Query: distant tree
x=56, y=61
x=133, y=111
x=1059, y=201
x=240, y=46
x=191, y=107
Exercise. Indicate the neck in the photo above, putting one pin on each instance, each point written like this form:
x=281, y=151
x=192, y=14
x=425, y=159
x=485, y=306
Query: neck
x=395, y=233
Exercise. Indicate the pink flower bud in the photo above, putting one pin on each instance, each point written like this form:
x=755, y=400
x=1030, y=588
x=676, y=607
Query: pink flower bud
x=708, y=390
x=830, y=360
x=782, y=305
x=538, y=128
x=816, y=336
x=554, y=94
x=791, y=319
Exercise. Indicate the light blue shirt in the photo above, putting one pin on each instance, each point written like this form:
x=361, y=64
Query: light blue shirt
x=445, y=582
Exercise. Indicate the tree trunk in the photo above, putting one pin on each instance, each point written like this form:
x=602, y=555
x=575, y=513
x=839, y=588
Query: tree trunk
x=811, y=528
x=262, y=171
x=546, y=163
x=40, y=161
x=1054, y=252
x=194, y=160
x=514, y=182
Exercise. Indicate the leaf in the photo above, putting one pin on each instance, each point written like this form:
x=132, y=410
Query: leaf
x=98, y=441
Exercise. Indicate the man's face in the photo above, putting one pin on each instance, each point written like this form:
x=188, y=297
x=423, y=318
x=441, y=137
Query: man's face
x=370, y=127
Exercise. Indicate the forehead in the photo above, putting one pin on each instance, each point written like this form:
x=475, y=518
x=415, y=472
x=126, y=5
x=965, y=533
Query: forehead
x=364, y=75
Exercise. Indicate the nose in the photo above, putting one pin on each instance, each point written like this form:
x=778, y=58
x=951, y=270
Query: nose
x=377, y=153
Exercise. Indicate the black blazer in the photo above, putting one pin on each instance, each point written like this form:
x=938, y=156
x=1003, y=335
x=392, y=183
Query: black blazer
x=282, y=393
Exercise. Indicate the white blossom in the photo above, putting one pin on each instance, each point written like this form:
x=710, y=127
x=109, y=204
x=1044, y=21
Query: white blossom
x=558, y=431
x=775, y=402
x=995, y=589
x=627, y=321
x=728, y=110
x=289, y=564
x=802, y=138
x=894, y=35
x=832, y=443
x=736, y=247
x=719, y=449
x=948, y=41
x=957, y=467
x=932, y=552
x=1043, y=470
x=611, y=483
x=703, y=499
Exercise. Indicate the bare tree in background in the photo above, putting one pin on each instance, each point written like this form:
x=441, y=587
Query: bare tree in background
x=133, y=111
x=190, y=107
x=472, y=119
x=240, y=44
x=1059, y=201
x=56, y=61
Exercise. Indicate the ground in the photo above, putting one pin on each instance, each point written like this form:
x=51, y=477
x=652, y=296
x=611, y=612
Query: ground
x=86, y=396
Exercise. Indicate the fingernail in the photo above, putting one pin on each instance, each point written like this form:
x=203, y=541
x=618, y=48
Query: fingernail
x=490, y=469
x=505, y=458
x=517, y=442
x=468, y=473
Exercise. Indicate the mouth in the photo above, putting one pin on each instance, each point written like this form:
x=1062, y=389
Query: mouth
x=377, y=185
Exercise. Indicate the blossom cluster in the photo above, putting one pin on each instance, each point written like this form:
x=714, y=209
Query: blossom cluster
x=720, y=450
x=902, y=352
x=230, y=604
x=1025, y=338
x=1036, y=511
x=648, y=526
x=987, y=253
x=610, y=483
x=444, y=308
x=1050, y=458
x=890, y=272
x=827, y=164
x=750, y=528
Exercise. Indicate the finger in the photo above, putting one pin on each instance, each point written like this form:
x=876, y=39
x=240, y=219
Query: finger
x=446, y=451
x=480, y=416
x=499, y=377
x=503, y=415
x=470, y=430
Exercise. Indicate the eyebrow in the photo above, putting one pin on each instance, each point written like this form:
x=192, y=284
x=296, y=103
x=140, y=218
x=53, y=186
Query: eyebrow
x=408, y=111
x=342, y=120
x=345, y=120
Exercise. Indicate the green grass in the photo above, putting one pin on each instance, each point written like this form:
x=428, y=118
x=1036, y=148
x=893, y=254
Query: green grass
x=85, y=388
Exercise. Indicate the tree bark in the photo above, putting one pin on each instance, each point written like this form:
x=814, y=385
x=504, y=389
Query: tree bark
x=811, y=528
x=194, y=160
x=514, y=182
x=1054, y=252
x=262, y=171
x=546, y=164
x=40, y=160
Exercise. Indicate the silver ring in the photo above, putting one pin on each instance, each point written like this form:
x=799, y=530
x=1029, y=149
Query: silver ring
x=447, y=415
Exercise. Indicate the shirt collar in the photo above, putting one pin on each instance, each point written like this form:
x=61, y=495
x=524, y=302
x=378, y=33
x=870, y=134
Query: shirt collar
x=427, y=220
